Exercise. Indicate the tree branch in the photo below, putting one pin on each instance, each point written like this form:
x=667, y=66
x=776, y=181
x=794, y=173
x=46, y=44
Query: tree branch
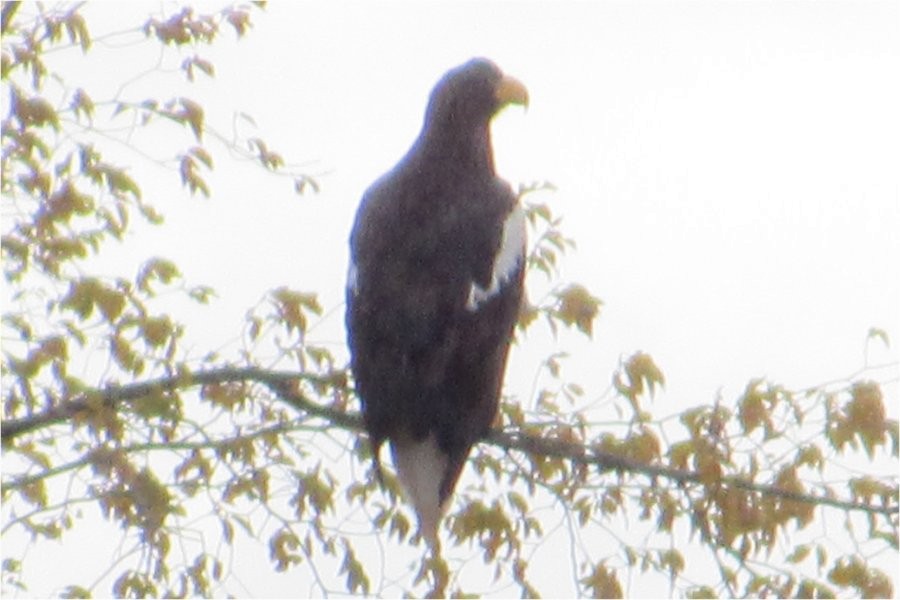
x=277, y=381
x=281, y=383
x=609, y=461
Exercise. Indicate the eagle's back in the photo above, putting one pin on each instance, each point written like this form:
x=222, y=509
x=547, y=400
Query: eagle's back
x=426, y=357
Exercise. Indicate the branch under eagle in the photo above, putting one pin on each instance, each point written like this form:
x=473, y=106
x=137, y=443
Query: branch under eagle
x=284, y=386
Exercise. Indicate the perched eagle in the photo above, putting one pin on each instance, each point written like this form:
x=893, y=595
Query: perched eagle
x=434, y=289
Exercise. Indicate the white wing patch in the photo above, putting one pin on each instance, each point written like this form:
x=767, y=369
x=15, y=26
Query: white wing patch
x=421, y=467
x=511, y=253
x=352, y=277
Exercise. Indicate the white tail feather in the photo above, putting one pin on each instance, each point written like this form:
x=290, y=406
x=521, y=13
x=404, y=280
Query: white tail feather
x=421, y=467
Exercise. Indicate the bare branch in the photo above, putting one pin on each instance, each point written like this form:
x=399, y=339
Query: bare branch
x=282, y=384
x=114, y=394
x=609, y=461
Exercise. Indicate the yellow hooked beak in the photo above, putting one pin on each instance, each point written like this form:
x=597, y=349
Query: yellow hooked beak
x=511, y=91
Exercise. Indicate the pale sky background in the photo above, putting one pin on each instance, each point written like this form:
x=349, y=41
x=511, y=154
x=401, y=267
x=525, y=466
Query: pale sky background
x=729, y=171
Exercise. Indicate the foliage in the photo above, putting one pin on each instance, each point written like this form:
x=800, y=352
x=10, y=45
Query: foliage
x=102, y=405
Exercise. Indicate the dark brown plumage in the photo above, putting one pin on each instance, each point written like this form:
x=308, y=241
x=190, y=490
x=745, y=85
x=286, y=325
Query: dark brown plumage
x=434, y=289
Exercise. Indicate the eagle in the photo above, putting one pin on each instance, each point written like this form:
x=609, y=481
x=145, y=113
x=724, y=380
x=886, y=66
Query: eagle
x=434, y=287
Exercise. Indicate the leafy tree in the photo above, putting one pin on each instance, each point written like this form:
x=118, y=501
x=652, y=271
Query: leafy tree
x=104, y=406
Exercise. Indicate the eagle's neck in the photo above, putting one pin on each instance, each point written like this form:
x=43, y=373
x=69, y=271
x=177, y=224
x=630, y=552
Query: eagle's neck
x=455, y=148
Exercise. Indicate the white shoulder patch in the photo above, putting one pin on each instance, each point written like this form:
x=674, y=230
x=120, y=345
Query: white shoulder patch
x=421, y=467
x=352, y=276
x=511, y=253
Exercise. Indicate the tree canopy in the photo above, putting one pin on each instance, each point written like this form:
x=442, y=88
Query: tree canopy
x=192, y=453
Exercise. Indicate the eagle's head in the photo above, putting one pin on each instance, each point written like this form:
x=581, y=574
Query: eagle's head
x=472, y=93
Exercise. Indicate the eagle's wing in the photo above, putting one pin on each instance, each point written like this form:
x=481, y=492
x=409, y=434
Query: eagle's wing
x=430, y=315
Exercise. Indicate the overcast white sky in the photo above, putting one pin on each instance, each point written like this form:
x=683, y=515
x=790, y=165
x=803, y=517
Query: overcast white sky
x=729, y=170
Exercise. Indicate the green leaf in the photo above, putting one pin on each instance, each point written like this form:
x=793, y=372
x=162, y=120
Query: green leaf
x=156, y=331
x=76, y=591
x=752, y=411
x=189, y=176
x=293, y=307
x=203, y=156
x=576, y=306
x=239, y=19
x=189, y=64
x=269, y=159
x=156, y=269
x=78, y=31
x=881, y=334
x=192, y=113
x=303, y=182
x=202, y=294
x=642, y=374
x=82, y=103
x=119, y=181
x=602, y=582
x=81, y=296
x=357, y=579
x=799, y=554
x=35, y=111
x=282, y=549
